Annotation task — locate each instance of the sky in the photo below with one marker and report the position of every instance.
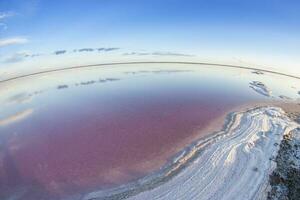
(41, 34)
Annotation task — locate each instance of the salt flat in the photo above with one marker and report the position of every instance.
(236, 165)
(233, 164)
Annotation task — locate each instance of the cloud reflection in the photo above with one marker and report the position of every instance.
(16, 117)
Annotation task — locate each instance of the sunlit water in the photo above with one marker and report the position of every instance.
(73, 132)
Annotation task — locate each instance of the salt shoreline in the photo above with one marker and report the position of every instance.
(284, 180)
(187, 157)
(143, 188)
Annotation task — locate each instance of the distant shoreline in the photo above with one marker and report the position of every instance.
(145, 62)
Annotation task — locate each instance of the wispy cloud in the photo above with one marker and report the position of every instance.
(22, 55)
(96, 49)
(109, 49)
(13, 41)
(4, 15)
(169, 54)
(17, 57)
(16, 117)
(156, 54)
(59, 52)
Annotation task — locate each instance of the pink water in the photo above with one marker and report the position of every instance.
(90, 138)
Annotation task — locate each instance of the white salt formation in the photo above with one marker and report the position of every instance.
(234, 163)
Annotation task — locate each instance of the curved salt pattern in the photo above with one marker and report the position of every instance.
(234, 163)
(236, 166)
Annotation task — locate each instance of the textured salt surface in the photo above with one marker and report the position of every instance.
(285, 179)
(233, 164)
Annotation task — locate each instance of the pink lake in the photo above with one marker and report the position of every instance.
(101, 130)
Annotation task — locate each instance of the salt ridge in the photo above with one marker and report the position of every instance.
(234, 163)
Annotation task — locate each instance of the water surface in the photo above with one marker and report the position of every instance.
(77, 131)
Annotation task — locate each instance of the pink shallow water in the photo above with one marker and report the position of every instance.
(79, 154)
(88, 141)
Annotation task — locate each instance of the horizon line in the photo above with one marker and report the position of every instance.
(146, 62)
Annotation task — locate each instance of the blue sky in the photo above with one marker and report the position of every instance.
(258, 32)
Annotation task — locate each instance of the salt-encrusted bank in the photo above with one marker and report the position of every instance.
(285, 179)
(236, 166)
(232, 164)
